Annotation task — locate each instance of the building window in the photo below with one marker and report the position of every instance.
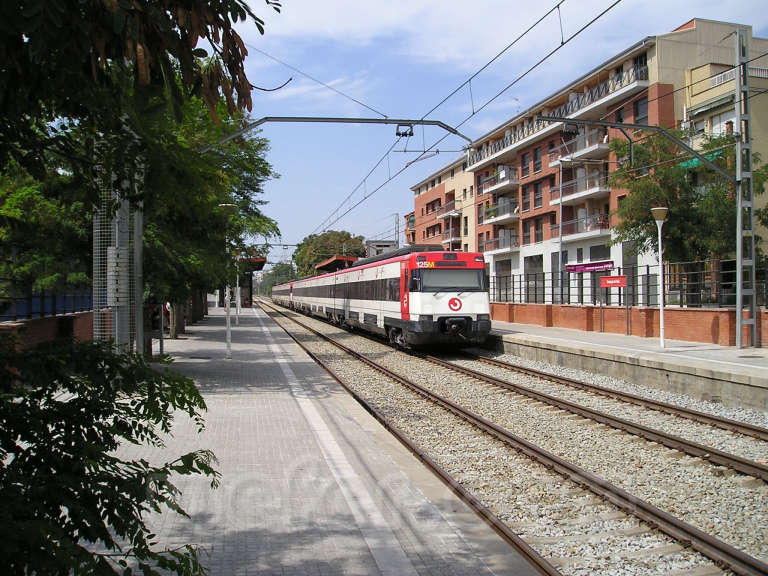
(538, 226)
(466, 225)
(480, 243)
(466, 247)
(620, 115)
(641, 61)
(537, 195)
(619, 72)
(537, 160)
(526, 232)
(471, 190)
(453, 170)
(641, 111)
(464, 167)
(579, 254)
(464, 194)
(524, 165)
(552, 219)
(439, 179)
(431, 183)
(526, 198)
(479, 213)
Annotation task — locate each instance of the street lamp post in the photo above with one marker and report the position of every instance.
(237, 294)
(228, 353)
(660, 215)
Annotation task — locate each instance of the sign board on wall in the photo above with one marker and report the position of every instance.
(590, 267)
(613, 282)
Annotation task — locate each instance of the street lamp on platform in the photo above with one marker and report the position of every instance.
(660, 215)
(228, 354)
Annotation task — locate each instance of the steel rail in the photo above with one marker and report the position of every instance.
(720, 552)
(719, 457)
(679, 411)
(523, 548)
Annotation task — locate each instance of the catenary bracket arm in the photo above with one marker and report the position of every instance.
(623, 125)
(316, 119)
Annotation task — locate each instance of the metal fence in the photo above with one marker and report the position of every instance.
(710, 283)
(43, 304)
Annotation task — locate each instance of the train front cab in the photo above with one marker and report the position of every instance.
(443, 300)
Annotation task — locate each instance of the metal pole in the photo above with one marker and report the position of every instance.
(237, 295)
(138, 266)
(228, 353)
(745, 238)
(659, 224)
(162, 326)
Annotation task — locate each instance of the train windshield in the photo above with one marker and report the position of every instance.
(452, 280)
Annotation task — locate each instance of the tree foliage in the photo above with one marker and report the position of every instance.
(279, 273)
(318, 247)
(701, 222)
(70, 504)
(70, 60)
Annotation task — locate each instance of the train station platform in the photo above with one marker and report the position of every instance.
(311, 483)
(733, 376)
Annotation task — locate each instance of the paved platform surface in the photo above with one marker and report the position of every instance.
(746, 368)
(311, 483)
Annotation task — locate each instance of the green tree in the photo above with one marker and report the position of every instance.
(71, 60)
(701, 222)
(70, 503)
(318, 247)
(279, 273)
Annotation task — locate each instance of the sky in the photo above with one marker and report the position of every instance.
(401, 58)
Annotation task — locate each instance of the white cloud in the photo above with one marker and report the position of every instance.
(467, 34)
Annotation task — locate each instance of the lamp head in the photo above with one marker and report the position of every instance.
(659, 213)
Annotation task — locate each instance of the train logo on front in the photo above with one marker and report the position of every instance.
(454, 304)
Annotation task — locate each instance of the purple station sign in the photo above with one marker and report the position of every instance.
(590, 267)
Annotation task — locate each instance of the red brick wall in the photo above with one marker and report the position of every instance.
(708, 325)
(38, 330)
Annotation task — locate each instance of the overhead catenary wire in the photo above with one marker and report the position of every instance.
(445, 99)
(486, 104)
(324, 84)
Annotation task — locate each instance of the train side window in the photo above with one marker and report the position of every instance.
(415, 285)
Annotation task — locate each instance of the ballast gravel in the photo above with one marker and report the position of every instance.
(533, 500)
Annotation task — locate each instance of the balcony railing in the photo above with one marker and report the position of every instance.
(583, 100)
(450, 235)
(501, 243)
(588, 224)
(729, 75)
(581, 142)
(445, 208)
(503, 207)
(579, 185)
(503, 175)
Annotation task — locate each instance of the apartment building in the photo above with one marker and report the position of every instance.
(542, 197)
(444, 209)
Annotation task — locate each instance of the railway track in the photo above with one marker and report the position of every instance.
(671, 409)
(578, 532)
(689, 447)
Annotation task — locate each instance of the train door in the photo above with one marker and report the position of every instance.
(405, 300)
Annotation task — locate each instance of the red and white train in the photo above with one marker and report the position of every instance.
(415, 298)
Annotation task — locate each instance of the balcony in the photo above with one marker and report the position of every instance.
(582, 228)
(574, 191)
(410, 224)
(597, 97)
(590, 146)
(450, 236)
(505, 210)
(504, 179)
(447, 210)
(500, 244)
